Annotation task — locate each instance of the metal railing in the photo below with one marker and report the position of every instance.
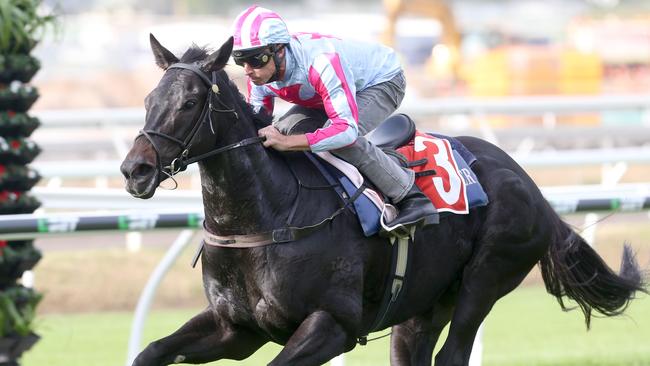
(565, 199)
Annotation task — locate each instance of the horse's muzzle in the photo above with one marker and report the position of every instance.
(140, 177)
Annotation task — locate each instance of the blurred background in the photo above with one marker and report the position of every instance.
(562, 85)
(449, 48)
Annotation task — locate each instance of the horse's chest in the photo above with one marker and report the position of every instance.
(271, 317)
(246, 302)
(226, 301)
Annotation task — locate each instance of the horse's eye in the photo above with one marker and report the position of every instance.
(189, 104)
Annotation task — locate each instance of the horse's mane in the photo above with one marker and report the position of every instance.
(196, 54)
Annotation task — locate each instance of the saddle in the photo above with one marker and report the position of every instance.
(399, 130)
(398, 137)
(396, 131)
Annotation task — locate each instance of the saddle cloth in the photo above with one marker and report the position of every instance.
(445, 177)
(443, 174)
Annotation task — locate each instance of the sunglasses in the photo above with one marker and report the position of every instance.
(255, 61)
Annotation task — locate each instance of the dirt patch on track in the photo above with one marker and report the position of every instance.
(81, 279)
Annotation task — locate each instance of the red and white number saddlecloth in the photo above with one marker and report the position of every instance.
(446, 188)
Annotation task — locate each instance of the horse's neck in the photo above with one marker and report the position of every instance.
(246, 191)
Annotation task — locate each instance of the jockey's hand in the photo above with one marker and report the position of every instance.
(282, 142)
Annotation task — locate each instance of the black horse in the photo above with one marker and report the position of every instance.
(318, 294)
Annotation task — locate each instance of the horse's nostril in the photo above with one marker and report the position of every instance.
(142, 170)
(131, 169)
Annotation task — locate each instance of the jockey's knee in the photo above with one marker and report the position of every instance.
(354, 152)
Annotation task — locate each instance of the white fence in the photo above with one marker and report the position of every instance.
(626, 198)
(527, 105)
(533, 105)
(111, 168)
(133, 118)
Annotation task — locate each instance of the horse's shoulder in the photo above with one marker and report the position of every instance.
(304, 168)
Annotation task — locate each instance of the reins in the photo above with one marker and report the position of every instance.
(282, 235)
(242, 143)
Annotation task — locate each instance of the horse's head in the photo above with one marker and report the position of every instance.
(179, 122)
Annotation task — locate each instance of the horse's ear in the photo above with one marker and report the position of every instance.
(163, 56)
(217, 60)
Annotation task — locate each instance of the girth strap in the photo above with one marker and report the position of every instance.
(393, 293)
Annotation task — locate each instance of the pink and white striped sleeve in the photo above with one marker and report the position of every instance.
(260, 97)
(329, 79)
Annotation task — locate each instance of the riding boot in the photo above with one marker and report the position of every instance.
(415, 209)
(393, 181)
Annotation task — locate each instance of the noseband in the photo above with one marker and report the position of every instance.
(182, 160)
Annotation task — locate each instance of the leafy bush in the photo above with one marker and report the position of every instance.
(17, 310)
(22, 25)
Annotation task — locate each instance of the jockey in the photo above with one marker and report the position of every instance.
(348, 87)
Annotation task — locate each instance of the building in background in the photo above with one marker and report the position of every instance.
(498, 48)
(450, 48)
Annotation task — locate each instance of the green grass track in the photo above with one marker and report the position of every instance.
(526, 328)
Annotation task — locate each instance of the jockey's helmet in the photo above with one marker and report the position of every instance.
(257, 27)
(258, 34)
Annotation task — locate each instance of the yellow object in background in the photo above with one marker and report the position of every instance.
(487, 75)
(533, 70)
(443, 61)
(580, 73)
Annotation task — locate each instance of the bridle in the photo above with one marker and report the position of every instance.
(182, 160)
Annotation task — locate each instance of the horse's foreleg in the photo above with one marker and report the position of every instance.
(202, 339)
(317, 340)
(412, 342)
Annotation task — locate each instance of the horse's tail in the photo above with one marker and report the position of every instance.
(573, 269)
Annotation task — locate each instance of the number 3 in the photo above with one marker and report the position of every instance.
(443, 161)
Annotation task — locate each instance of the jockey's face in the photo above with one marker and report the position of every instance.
(261, 75)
